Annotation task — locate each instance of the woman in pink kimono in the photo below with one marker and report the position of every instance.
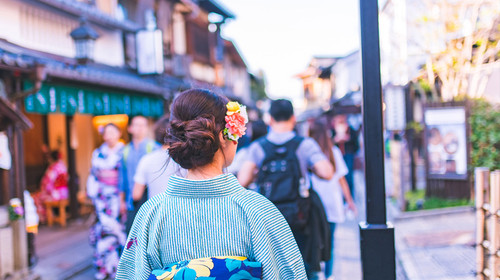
(54, 184)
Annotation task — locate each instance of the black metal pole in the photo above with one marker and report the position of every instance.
(377, 236)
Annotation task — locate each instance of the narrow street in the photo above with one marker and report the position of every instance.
(63, 252)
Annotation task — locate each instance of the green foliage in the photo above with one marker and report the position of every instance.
(414, 197)
(485, 134)
(258, 87)
(424, 84)
(416, 126)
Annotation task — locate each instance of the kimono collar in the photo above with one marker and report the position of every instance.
(222, 185)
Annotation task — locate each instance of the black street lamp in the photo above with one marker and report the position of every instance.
(84, 37)
(377, 236)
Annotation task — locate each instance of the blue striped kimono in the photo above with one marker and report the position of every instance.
(210, 218)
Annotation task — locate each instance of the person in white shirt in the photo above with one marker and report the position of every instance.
(155, 168)
(334, 190)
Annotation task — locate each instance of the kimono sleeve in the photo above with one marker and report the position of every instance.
(135, 261)
(273, 243)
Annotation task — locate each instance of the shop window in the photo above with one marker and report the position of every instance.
(46, 31)
(200, 43)
(130, 50)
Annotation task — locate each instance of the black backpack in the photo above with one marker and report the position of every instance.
(279, 180)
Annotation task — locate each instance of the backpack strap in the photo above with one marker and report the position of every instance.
(294, 143)
(149, 148)
(126, 152)
(269, 147)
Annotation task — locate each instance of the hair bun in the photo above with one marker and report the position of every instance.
(193, 143)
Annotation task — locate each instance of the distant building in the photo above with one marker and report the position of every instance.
(329, 79)
(318, 84)
(236, 79)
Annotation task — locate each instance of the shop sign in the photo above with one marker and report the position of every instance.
(52, 98)
(395, 115)
(446, 141)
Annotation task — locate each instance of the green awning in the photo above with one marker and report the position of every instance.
(54, 98)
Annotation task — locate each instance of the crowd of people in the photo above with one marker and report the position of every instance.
(209, 198)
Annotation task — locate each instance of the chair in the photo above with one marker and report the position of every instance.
(61, 218)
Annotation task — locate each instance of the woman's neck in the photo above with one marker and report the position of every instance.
(208, 171)
(205, 172)
(112, 145)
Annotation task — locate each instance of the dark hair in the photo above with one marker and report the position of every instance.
(131, 118)
(55, 155)
(197, 118)
(160, 129)
(318, 130)
(259, 129)
(281, 110)
(110, 125)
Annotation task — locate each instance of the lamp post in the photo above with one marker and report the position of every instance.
(377, 236)
(84, 36)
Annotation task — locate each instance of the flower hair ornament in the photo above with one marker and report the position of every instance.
(236, 118)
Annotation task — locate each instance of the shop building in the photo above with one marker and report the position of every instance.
(13, 238)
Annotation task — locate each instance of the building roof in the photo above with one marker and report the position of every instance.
(91, 12)
(9, 114)
(212, 6)
(232, 51)
(348, 104)
(60, 67)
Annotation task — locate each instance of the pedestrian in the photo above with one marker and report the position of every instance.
(107, 235)
(155, 169)
(279, 163)
(54, 184)
(207, 225)
(346, 138)
(334, 190)
(139, 146)
(32, 220)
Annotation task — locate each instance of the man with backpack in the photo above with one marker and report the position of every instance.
(139, 146)
(279, 164)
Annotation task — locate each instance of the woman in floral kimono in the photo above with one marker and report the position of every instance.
(107, 235)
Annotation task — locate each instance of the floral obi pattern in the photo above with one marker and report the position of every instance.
(216, 268)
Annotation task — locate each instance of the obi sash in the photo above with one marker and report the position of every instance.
(215, 268)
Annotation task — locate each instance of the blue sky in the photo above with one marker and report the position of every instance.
(280, 37)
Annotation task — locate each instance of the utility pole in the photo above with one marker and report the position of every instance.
(377, 236)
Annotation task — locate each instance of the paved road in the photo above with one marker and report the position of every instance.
(62, 251)
(437, 246)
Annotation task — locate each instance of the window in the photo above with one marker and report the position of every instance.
(200, 43)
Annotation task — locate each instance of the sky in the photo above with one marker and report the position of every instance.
(281, 36)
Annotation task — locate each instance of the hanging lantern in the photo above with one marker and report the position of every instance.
(84, 37)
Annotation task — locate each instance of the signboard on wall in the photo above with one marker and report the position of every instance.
(395, 114)
(149, 52)
(52, 98)
(446, 142)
